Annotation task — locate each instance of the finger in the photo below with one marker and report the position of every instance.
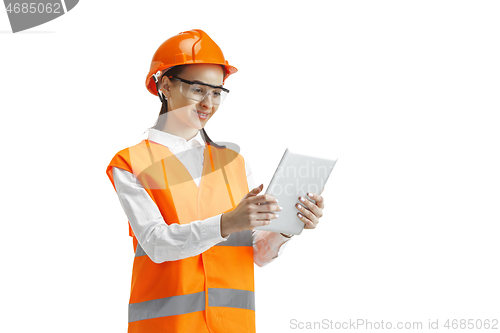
(263, 198)
(312, 206)
(259, 223)
(320, 202)
(308, 223)
(269, 208)
(256, 190)
(253, 192)
(267, 216)
(307, 213)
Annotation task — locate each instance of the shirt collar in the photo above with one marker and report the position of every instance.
(172, 141)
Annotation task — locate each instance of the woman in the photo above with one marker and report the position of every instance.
(189, 206)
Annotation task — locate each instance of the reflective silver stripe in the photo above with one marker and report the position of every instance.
(234, 298)
(168, 306)
(139, 251)
(239, 238)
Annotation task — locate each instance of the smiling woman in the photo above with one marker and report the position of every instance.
(191, 204)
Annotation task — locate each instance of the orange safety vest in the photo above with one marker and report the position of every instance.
(212, 292)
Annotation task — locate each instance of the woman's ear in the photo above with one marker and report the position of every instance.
(165, 86)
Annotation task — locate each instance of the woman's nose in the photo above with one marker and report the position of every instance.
(207, 101)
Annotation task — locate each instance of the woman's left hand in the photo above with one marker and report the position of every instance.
(311, 217)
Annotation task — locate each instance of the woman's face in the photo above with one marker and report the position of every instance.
(185, 110)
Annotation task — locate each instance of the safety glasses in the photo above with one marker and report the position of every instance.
(198, 91)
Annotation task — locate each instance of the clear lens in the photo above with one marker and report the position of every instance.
(198, 92)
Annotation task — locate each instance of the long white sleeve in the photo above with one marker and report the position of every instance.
(160, 241)
(163, 242)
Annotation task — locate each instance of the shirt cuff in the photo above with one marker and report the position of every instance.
(212, 229)
(282, 246)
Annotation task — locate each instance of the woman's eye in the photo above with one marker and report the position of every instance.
(216, 93)
(198, 90)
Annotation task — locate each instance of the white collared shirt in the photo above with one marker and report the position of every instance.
(163, 242)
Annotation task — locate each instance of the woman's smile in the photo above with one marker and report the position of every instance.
(202, 115)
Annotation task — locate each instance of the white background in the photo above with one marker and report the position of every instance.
(405, 93)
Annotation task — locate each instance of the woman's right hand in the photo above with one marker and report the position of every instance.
(250, 212)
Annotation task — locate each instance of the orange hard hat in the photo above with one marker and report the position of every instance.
(188, 47)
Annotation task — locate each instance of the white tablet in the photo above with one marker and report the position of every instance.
(296, 175)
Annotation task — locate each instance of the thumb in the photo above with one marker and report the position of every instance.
(260, 187)
(254, 192)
